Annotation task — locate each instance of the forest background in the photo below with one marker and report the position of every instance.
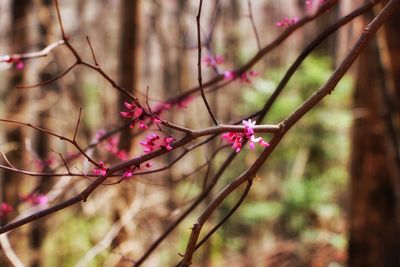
(327, 196)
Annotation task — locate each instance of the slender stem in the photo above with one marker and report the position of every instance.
(253, 24)
(326, 89)
(200, 79)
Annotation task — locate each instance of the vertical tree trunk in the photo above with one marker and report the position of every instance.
(128, 79)
(128, 58)
(15, 98)
(374, 225)
(15, 101)
(390, 49)
(38, 228)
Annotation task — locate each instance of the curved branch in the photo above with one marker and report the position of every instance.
(326, 89)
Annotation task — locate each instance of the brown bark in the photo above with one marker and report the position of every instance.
(374, 226)
(128, 57)
(128, 79)
(38, 228)
(15, 102)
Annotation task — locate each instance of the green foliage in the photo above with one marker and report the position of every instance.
(258, 212)
(310, 163)
(78, 236)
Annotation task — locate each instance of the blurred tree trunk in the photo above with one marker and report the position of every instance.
(128, 79)
(231, 34)
(374, 225)
(16, 98)
(391, 55)
(15, 101)
(42, 147)
(173, 72)
(128, 57)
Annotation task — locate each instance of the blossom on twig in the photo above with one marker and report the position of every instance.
(153, 142)
(237, 138)
(102, 171)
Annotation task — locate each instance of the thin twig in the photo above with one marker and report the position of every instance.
(326, 89)
(92, 51)
(61, 137)
(227, 216)
(64, 162)
(77, 124)
(21, 86)
(60, 22)
(42, 53)
(253, 24)
(199, 76)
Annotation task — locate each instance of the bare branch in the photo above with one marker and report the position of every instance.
(200, 79)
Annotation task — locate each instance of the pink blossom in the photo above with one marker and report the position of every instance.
(142, 125)
(99, 135)
(5, 209)
(167, 142)
(213, 61)
(122, 155)
(185, 102)
(258, 140)
(18, 62)
(248, 127)
(133, 111)
(42, 164)
(313, 5)
(229, 75)
(287, 21)
(128, 172)
(20, 65)
(149, 164)
(263, 143)
(102, 171)
(36, 199)
(245, 77)
(237, 138)
(156, 120)
(318, 2)
(112, 144)
(153, 142)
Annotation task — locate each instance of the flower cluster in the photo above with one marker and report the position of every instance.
(185, 102)
(318, 2)
(244, 77)
(18, 62)
(312, 5)
(181, 104)
(111, 145)
(229, 75)
(102, 171)
(129, 171)
(5, 209)
(133, 112)
(154, 142)
(213, 61)
(287, 22)
(41, 164)
(237, 138)
(35, 199)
